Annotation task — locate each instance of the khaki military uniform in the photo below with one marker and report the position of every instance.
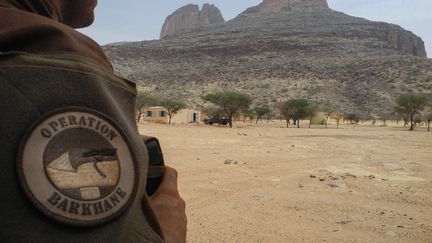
(36, 88)
(73, 166)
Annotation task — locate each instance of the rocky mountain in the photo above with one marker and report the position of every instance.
(284, 49)
(189, 17)
(271, 6)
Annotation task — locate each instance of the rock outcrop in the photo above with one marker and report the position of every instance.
(275, 6)
(317, 53)
(189, 17)
(406, 42)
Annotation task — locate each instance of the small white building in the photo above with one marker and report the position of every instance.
(159, 114)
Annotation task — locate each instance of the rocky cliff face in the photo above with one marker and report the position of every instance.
(189, 17)
(210, 15)
(316, 53)
(406, 42)
(274, 6)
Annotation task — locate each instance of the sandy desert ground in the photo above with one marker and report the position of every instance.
(265, 183)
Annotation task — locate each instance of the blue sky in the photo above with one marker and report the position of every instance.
(136, 20)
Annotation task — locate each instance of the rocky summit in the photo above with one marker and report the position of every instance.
(284, 49)
(189, 17)
(272, 6)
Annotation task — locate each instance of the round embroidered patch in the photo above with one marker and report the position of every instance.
(76, 167)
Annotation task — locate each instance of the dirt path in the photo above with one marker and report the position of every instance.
(265, 183)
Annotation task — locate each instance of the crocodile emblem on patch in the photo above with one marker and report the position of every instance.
(76, 167)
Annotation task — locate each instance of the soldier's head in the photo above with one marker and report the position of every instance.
(74, 13)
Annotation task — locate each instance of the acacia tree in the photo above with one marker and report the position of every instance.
(302, 109)
(144, 100)
(212, 111)
(248, 113)
(287, 111)
(352, 118)
(410, 105)
(231, 102)
(261, 112)
(173, 107)
(311, 111)
(418, 122)
(403, 113)
(294, 109)
(269, 116)
(251, 114)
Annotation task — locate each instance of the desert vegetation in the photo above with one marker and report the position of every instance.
(412, 109)
(230, 102)
(409, 107)
(261, 112)
(172, 106)
(145, 100)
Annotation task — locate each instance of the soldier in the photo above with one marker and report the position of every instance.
(73, 167)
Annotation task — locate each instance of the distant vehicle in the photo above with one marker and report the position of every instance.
(216, 120)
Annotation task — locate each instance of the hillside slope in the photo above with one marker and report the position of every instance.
(279, 50)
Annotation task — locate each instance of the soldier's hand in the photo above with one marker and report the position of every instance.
(170, 208)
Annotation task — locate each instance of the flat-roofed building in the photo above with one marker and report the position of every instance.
(159, 114)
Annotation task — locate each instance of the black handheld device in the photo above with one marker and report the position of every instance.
(156, 164)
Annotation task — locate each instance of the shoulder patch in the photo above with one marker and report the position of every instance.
(76, 166)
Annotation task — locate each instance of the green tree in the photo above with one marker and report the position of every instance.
(311, 111)
(261, 112)
(172, 106)
(269, 116)
(410, 105)
(144, 100)
(231, 102)
(287, 111)
(248, 113)
(418, 121)
(212, 111)
(302, 110)
(295, 109)
(403, 113)
(352, 118)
